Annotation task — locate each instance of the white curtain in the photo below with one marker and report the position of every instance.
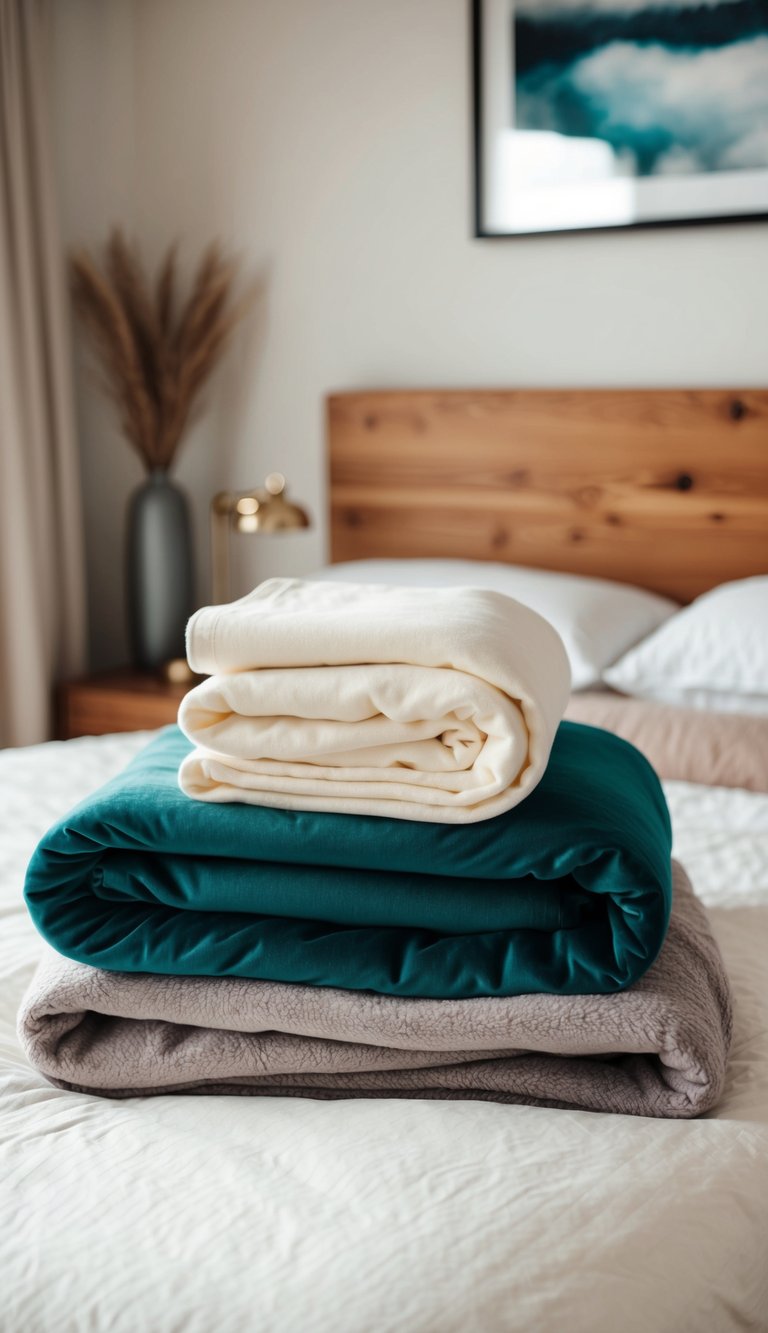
(42, 630)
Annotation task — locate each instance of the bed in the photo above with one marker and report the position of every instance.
(233, 1213)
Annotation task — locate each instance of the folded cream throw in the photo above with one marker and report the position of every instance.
(657, 1049)
(435, 704)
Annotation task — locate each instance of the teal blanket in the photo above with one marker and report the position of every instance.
(569, 892)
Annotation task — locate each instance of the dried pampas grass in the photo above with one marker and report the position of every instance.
(155, 351)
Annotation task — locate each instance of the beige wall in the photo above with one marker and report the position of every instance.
(328, 141)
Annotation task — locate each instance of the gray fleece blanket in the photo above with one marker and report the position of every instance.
(656, 1049)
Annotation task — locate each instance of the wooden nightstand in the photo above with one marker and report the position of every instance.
(123, 700)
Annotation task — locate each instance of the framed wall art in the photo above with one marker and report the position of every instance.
(618, 113)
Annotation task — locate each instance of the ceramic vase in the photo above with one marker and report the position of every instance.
(160, 575)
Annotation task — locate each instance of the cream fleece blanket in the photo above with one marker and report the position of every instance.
(435, 704)
(657, 1049)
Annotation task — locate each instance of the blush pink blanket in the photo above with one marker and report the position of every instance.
(657, 1049)
(683, 744)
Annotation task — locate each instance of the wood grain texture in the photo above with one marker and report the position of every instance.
(667, 489)
(122, 700)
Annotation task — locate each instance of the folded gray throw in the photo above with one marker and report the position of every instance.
(657, 1049)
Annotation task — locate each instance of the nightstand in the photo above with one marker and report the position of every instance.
(123, 700)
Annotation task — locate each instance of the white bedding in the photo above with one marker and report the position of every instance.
(224, 1215)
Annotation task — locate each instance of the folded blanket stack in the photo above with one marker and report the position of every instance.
(361, 699)
(399, 877)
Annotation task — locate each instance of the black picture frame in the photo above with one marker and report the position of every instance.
(485, 229)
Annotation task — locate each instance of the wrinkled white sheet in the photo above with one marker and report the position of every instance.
(225, 1215)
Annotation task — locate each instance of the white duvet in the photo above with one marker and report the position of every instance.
(229, 1215)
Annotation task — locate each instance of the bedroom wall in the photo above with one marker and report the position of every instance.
(328, 141)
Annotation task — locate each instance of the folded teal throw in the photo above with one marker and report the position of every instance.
(569, 892)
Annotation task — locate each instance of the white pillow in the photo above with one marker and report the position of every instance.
(596, 619)
(712, 654)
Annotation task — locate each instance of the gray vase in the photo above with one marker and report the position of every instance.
(160, 571)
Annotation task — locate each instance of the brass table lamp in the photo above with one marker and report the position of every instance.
(262, 511)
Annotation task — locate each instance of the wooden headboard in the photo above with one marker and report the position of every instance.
(667, 489)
